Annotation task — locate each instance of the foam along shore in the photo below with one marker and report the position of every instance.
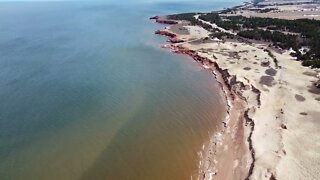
(272, 130)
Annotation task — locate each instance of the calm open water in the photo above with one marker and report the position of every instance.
(87, 94)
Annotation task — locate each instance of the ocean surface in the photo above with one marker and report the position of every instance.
(87, 94)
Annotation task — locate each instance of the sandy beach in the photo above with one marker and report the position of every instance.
(272, 128)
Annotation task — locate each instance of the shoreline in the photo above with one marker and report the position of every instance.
(256, 125)
(214, 152)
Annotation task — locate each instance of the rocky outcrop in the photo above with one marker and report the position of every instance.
(176, 40)
(154, 18)
(193, 54)
(172, 37)
(163, 20)
(165, 33)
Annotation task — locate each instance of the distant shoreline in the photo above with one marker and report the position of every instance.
(268, 93)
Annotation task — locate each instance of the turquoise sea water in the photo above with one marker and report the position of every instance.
(86, 93)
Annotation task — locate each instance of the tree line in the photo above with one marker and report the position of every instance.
(282, 33)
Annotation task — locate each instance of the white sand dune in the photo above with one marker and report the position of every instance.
(274, 127)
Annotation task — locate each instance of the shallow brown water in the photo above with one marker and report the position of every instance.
(81, 99)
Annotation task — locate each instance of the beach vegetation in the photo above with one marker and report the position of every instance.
(282, 33)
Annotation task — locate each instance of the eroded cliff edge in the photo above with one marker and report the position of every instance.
(273, 106)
